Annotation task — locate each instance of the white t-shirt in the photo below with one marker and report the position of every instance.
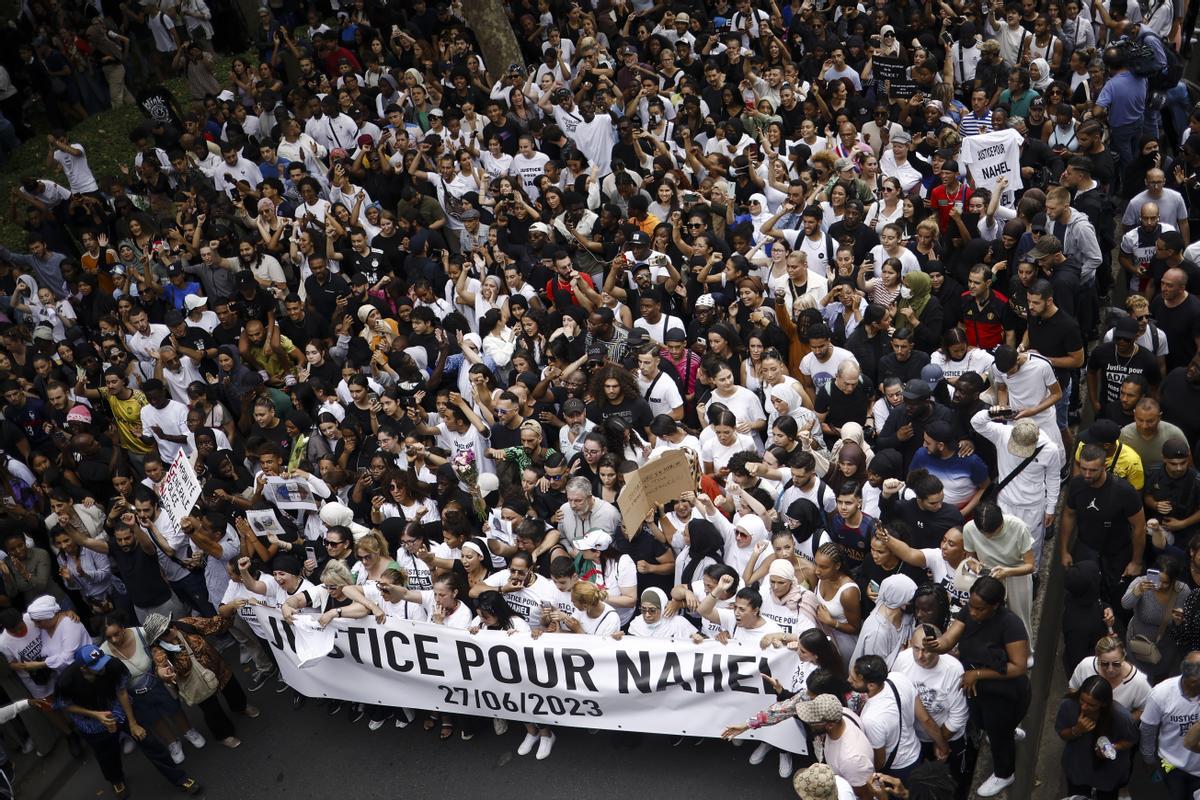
(460, 618)
(1132, 693)
(236, 591)
(400, 610)
(26, 648)
(79, 174)
(529, 170)
(172, 420)
(747, 636)
(822, 373)
(888, 727)
(620, 573)
(662, 393)
(1173, 713)
(608, 623)
(940, 690)
(527, 602)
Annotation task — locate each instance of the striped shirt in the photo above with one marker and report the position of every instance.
(972, 124)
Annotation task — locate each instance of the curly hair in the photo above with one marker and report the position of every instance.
(629, 387)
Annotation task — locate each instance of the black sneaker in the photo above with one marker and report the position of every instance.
(335, 708)
(281, 686)
(356, 712)
(258, 680)
(297, 701)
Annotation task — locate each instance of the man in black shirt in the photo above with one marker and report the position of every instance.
(904, 362)
(844, 399)
(868, 343)
(1176, 311)
(1107, 511)
(325, 290)
(299, 325)
(1180, 399)
(1112, 362)
(1055, 335)
(94, 694)
(905, 428)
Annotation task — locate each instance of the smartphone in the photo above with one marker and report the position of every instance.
(311, 553)
(1152, 575)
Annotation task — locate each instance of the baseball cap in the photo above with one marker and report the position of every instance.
(675, 335)
(1040, 223)
(573, 405)
(1047, 245)
(436, 112)
(1126, 328)
(1022, 440)
(540, 227)
(950, 166)
(1005, 358)
(92, 657)
(916, 389)
(594, 539)
(639, 239)
(365, 140)
(1102, 431)
(681, 17)
(932, 374)
(1175, 448)
(886, 29)
(941, 431)
(173, 318)
(822, 708)
(194, 301)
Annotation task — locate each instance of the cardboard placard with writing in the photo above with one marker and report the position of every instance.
(665, 478)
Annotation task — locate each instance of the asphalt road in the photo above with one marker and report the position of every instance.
(307, 753)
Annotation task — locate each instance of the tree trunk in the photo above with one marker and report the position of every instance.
(492, 28)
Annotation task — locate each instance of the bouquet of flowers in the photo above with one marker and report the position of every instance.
(467, 471)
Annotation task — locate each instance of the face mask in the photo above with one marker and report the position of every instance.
(170, 647)
(906, 292)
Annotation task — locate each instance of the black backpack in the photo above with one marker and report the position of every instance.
(1143, 61)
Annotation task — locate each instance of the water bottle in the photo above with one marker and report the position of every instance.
(1106, 747)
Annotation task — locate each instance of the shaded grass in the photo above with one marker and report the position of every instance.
(105, 137)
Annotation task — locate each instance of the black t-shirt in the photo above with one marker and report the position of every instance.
(984, 642)
(504, 437)
(634, 411)
(1102, 520)
(1055, 337)
(1113, 369)
(841, 407)
(142, 576)
(1181, 326)
(309, 326)
(1180, 402)
(890, 366)
(644, 547)
(277, 435)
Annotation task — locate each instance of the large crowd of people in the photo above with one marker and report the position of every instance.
(910, 284)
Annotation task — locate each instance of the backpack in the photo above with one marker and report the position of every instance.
(1143, 61)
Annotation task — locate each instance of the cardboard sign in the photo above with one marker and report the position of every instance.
(665, 478)
(180, 488)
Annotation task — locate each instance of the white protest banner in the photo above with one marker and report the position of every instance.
(636, 684)
(993, 155)
(180, 489)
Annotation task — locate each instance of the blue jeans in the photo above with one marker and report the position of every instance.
(1124, 139)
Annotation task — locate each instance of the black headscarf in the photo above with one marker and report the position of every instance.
(706, 542)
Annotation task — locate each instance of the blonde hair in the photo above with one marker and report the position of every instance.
(929, 225)
(1109, 643)
(336, 573)
(374, 543)
(397, 575)
(1136, 301)
(587, 595)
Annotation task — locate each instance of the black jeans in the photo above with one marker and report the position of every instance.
(998, 708)
(961, 763)
(1180, 785)
(194, 593)
(215, 718)
(107, 747)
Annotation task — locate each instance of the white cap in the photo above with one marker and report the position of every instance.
(194, 301)
(594, 539)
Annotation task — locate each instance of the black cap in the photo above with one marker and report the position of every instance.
(1005, 358)
(173, 317)
(941, 431)
(1126, 328)
(639, 238)
(1175, 448)
(675, 335)
(916, 389)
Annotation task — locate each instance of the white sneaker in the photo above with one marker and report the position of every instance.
(127, 744)
(232, 742)
(527, 744)
(760, 753)
(1018, 734)
(545, 745)
(176, 751)
(194, 738)
(785, 765)
(994, 786)
(376, 724)
(500, 726)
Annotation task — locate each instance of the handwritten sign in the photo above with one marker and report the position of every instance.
(665, 478)
(180, 489)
